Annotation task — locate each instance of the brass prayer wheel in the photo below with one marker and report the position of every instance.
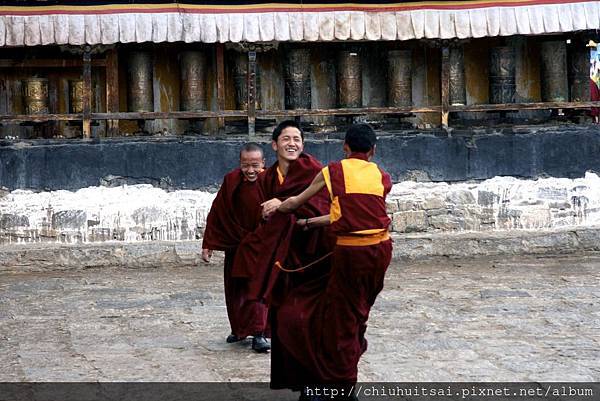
(35, 93)
(400, 78)
(76, 96)
(297, 79)
(579, 73)
(458, 93)
(240, 76)
(193, 81)
(140, 94)
(349, 79)
(502, 75)
(555, 85)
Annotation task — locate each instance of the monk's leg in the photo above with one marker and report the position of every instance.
(356, 280)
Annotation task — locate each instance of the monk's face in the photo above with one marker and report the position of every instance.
(251, 164)
(289, 144)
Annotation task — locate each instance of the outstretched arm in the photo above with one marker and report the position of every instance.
(294, 202)
(314, 222)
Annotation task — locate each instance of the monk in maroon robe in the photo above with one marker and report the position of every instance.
(323, 329)
(279, 245)
(235, 213)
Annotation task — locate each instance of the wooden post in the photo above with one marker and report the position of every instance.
(251, 85)
(87, 93)
(445, 86)
(220, 82)
(112, 90)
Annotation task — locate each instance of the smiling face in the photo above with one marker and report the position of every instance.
(289, 144)
(251, 164)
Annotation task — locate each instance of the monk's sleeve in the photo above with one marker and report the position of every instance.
(222, 231)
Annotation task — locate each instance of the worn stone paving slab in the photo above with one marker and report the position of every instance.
(528, 318)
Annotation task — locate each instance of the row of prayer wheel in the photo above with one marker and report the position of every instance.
(36, 95)
(559, 77)
(348, 78)
(140, 89)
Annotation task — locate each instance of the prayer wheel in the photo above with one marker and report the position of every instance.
(297, 79)
(35, 92)
(502, 75)
(240, 75)
(458, 93)
(555, 85)
(400, 78)
(193, 82)
(579, 73)
(140, 93)
(349, 79)
(76, 96)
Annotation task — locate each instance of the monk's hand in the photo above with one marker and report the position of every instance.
(206, 254)
(288, 205)
(303, 223)
(269, 207)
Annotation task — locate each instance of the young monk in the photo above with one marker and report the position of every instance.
(325, 332)
(235, 212)
(280, 239)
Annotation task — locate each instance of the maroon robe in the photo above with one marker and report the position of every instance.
(235, 213)
(325, 324)
(281, 240)
(594, 97)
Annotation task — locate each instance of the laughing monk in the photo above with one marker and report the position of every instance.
(325, 331)
(236, 212)
(279, 238)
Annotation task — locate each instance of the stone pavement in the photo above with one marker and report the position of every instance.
(527, 318)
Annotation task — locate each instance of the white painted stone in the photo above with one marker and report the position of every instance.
(130, 213)
(142, 212)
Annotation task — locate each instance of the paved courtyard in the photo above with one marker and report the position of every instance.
(493, 319)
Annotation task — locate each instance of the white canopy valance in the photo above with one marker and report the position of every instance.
(32, 26)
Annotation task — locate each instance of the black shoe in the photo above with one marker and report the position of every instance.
(260, 344)
(232, 338)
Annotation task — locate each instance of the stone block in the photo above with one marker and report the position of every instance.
(434, 203)
(69, 220)
(487, 216)
(437, 212)
(446, 222)
(549, 193)
(391, 205)
(460, 197)
(406, 205)
(559, 205)
(487, 198)
(10, 221)
(409, 221)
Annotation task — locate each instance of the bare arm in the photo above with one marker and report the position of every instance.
(314, 222)
(294, 202)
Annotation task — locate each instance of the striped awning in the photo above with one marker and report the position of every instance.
(32, 23)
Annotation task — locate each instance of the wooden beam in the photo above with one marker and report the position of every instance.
(87, 93)
(112, 90)
(157, 115)
(348, 111)
(40, 118)
(525, 106)
(48, 63)
(220, 56)
(445, 86)
(251, 85)
(293, 113)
